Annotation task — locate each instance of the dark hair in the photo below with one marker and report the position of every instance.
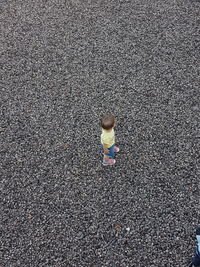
(108, 122)
(198, 230)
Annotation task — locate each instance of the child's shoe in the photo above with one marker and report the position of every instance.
(116, 149)
(109, 162)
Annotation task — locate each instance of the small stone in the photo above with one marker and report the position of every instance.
(118, 227)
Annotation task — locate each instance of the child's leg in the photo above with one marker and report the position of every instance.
(111, 154)
(105, 157)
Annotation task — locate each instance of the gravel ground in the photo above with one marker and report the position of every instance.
(63, 65)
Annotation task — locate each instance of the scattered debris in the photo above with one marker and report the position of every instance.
(65, 146)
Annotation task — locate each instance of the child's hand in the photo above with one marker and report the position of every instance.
(106, 151)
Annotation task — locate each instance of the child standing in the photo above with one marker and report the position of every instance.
(108, 139)
(196, 259)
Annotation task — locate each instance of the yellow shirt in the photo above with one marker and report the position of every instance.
(108, 137)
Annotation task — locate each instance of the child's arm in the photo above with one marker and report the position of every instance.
(105, 149)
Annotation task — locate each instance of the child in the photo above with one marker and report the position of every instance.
(108, 139)
(196, 259)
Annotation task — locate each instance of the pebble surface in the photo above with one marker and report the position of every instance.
(63, 65)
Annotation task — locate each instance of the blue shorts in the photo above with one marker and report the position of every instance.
(111, 153)
(196, 259)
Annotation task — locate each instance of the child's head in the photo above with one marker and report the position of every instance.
(108, 122)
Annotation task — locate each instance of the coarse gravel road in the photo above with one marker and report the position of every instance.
(65, 63)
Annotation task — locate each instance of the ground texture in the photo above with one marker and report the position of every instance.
(63, 65)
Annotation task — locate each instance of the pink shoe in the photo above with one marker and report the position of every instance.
(116, 149)
(109, 162)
